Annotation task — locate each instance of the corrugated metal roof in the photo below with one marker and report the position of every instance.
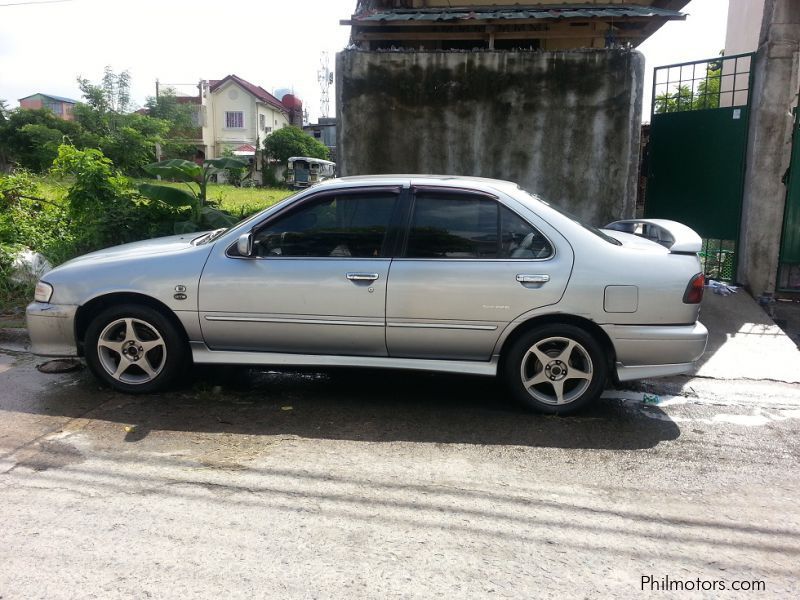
(52, 97)
(549, 13)
(61, 99)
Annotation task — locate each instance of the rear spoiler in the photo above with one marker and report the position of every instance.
(676, 237)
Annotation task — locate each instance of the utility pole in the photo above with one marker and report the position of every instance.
(156, 88)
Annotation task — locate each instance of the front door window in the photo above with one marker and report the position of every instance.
(336, 226)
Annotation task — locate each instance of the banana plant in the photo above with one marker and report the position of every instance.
(196, 178)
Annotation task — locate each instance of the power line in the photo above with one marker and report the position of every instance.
(34, 2)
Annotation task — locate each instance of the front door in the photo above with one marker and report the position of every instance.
(470, 266)
(315, 285)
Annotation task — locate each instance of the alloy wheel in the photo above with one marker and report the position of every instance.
(556, 370)
(132, 351)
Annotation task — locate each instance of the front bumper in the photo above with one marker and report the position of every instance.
(51, 328)
(656, 350)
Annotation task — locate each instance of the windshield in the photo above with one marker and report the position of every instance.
(218, 233)
(577, 220)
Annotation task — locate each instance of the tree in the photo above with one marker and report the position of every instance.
(182, 123)
(30, 138)
(181, 117)
(42, 144)
(128, 139)
(679, 100)
(196, 179)
(292, 141)
(113, 94)
(683, 98)
(708, 89)
(3, 144)
(100, 201)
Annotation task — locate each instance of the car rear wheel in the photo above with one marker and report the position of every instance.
(134, 349)
(555, 369)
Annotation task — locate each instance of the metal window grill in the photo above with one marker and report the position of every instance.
(703, 84)
(718, 258)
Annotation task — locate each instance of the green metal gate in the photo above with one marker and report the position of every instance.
(698, 141)
(789, 270)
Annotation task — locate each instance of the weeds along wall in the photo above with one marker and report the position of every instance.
(564, 125)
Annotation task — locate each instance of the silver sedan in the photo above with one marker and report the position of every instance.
(450, 274)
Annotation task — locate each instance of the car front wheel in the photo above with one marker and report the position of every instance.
(555, 369)
(134, 349)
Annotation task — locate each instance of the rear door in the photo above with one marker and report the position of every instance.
(469, 265)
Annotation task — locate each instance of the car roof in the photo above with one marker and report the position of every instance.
(456, 181)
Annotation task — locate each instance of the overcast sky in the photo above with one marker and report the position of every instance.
(273, 44)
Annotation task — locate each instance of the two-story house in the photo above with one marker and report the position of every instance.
(237, 115)
(61, 107)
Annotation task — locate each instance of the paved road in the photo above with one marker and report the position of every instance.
(374, 484)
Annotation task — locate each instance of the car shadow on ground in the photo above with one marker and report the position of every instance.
(360, 405)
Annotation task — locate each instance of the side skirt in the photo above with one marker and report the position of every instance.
(202, 355)
(645, 371)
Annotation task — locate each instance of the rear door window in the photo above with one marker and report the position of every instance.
(464, 226)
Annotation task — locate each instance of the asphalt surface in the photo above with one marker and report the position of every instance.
(372, 484)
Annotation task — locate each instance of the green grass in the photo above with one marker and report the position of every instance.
(230, 198)
(237, 200)
(52, 188)
(240, 202)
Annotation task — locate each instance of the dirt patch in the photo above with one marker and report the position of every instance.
(52, 455)
(14, 339)
(6, 362)
(62, 365)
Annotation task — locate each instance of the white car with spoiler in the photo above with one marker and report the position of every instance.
(436, 273)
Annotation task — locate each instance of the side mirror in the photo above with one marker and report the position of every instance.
(245, 244)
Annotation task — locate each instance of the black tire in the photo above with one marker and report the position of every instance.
(523, 363)
(166, 360)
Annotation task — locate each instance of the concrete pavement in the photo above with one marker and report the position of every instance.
(366, 484)
(745, 343)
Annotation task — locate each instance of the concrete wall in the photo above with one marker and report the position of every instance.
(562, 124)
(770, 143)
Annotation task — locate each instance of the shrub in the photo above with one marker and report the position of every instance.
(293, 141)
(27, 221)
(103, 207)
(203, 212)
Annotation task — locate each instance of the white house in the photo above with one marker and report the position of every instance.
(237, 115)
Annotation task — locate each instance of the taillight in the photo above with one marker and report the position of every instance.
(694, 291)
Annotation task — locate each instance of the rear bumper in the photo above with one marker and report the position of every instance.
(51, 328)
(656, 350)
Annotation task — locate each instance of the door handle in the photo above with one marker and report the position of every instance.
(362, 276)
(533, 278)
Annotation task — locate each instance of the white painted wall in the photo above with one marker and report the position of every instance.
(232, 97)
(273, 120)
(744, 26)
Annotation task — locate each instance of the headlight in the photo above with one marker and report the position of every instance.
(44, 291)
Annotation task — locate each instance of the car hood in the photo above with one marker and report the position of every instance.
(164, 245)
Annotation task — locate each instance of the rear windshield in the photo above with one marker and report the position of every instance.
(572, 217)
